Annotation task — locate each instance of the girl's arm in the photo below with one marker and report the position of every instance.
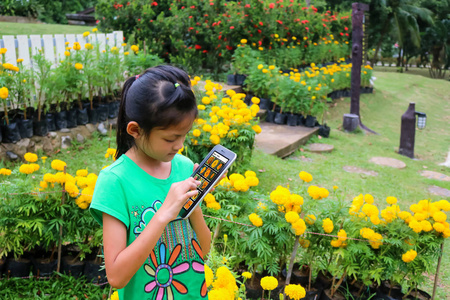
(123, 262)
(201, 229)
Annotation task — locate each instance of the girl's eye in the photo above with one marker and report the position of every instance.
(169, 141)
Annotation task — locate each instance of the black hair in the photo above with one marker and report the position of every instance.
(159, 97)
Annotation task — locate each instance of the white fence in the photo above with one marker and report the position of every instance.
(53, 46)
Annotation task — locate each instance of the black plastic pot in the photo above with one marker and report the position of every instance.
(82, 116)
(270, 116)
(324, 130)
(264, 103)
(323, 281)
(44, 267)
(61, 120)
(71, 267)
(102, 112)
(1, 136)
(313, 295)
(71, 117)
(419, 295)
(394, 291)
(2, 262)
(310, 121)
(231, 79)
(240, 79)
(292, 120)
(10, 132)
(112, 109)
(50, 118)
(40, 127)
(301, 120)
(25, 128)
(18, 268)
(280, 118)
(93, 273)
(93, 116)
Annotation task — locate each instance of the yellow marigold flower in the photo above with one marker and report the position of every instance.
(26, 169)
(375, 220)
(260, 66)
(391, 200)
(269, 283)
(4, 171)
(342, 235)
(196, 132)
(86, 33)
(252, 181)
(35, 167)
(3, 50)
(256, 128)
(260, 48)
(201, 107)
(415, 225)
(209, 275)
(440, 216)
(94, 30)
(426, 226)
(446, 233)
(443, 204)
(88, 46)
(206, 100)
(213, 205)
(241, 185)
(280, 195)
(30, 157)
(295, 291)
(49, 178)
(255, 219)
(215, 139)
(335, 187)
(249, 173)
(115, 295)
(19, 60)
(409, 256)
(368, 198)
(336, 243)
(328, 225)
(271, 67)
(134, 48)
(66, 53)
(76, 46)
(439, 227)
(265, 71)
(72, 189)
(310, 219)
(43, 184)
(82, 172)
(126, 53)
(58, 165)
(305, 176)
(305, 243)
(78, 66)
(255, 100)
(247, 275)
(299, 227)
(291, 217)
(243, 41)
(4, 92)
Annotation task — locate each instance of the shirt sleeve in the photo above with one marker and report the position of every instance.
(109, 198)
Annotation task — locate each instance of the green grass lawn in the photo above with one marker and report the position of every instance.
(9, 28)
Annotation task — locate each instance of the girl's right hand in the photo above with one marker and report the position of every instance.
(178, 194)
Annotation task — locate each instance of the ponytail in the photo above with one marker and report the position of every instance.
(124, 140)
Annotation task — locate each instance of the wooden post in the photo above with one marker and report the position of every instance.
(436, 277)
(63, 197)
(408, 131)
(357, 52)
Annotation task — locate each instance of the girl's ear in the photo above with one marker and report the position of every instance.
(133, 129)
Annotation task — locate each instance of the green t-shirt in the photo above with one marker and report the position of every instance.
(175, 268)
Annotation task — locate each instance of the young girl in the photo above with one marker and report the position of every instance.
(150, 253)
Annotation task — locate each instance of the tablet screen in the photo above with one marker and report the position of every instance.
(206, 174)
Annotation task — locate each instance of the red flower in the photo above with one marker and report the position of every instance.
(205, 51)
(304, 8)
(191, 28)
(220, 37)
(279, 22)
(154, 3)
(346, 28)
(182, 7)
(231, 27)
(193, 6)
(341, 33)
(198, 47)
(259, 43)
(139, 20)
(307, 28)
(229, 48)
(261, 23)
(190, 17)
(259, 31)
(247, 6)
(220, 54)
(272, 5)
(346, 34)
(211, 3)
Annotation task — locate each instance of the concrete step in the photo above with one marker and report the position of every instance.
(282, 140)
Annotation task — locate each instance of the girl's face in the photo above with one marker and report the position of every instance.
(163, 144)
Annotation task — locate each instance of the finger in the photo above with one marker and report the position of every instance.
(196, 166)
(190, 194)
